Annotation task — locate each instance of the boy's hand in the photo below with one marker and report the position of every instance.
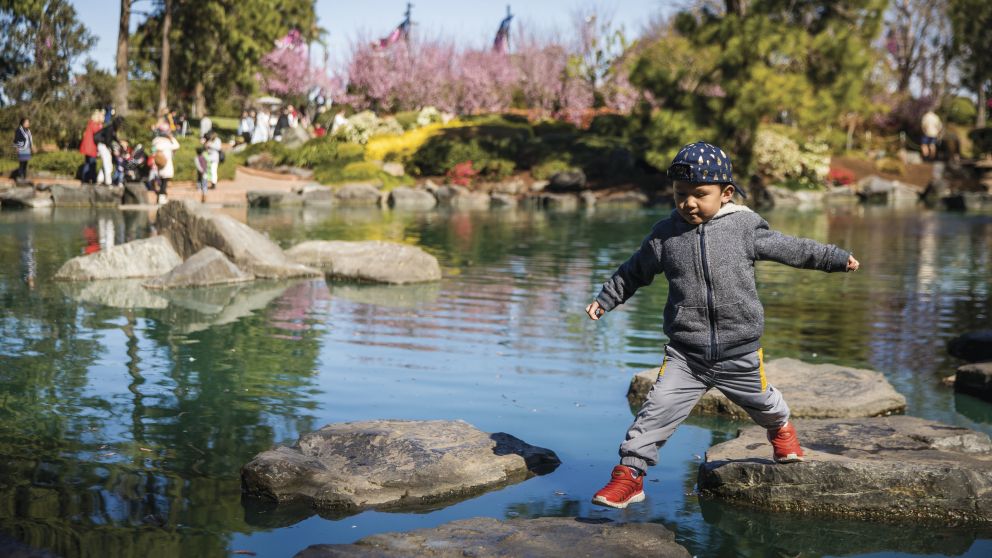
(594, 310)
(852, 264)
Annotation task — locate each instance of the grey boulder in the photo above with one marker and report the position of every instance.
(149, 257)
(484, 537)
(404, 197)
(393, 465)
(975, 346)
(192, 227)
(358, 194)
(882, 468)
(373, 260)
(811, 390)
(209, 266)
(460, 197)
(273, 198)
(975, 379)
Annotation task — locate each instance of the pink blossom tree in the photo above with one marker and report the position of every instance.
(287, 70)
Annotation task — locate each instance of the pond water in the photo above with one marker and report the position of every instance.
(125, 416)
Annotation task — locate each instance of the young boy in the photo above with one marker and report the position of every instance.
(713, 318)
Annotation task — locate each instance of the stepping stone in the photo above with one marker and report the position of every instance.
(881, 468)
(149, 257)
(373, 260)
(345, 468)
(483, 537)
(209, 266)
(811, 390)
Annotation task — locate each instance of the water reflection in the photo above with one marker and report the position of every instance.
(124, 420)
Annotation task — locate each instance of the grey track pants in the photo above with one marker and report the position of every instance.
(681, 382)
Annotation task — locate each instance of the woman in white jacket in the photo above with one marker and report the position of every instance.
(164, 145)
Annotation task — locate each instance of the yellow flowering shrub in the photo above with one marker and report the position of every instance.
(402, 147)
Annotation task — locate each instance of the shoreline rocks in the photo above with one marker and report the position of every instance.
(975, 379)
(374, 260)
(883, 468)
(811, 390)
(398, 465)
(149, 257)
(484, 537)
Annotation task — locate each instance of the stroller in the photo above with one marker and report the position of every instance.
(134, 163)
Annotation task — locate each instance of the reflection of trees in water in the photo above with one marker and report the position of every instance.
(93, 466)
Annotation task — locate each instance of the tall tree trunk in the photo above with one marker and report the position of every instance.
(120, 90)
(980, 120)
(163, 79)
(199, 100)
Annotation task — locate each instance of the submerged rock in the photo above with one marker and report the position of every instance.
(148, 257)
(394, 465)
(373, 260)
(883, 468)
(975, 346)
(192, 227)
(811, 390)
(484, 537)
(209, 266)
(114, 293)
(975, 379)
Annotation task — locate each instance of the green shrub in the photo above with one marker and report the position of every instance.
(408, 119)
(313, 153)
(360, 170)
(328, 174)
(498, 169)
(350, 152)
(137, 128)
(960, 110)
(547, 169)
(478, 144)
(62, 163)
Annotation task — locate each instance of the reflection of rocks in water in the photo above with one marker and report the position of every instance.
(11, 548)
(116, 293)
(792, 535)
(192, 310)
(395, 296)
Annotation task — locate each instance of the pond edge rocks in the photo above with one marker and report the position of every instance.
(882, 468)
(398, 465)
(811, 391)
(484, 537)
(149, 257)
(372, 261)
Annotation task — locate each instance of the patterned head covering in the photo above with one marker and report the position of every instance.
(703, 163)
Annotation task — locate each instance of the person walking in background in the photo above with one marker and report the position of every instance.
(260, 133)
(202, 168)
(24, 144)
(213, 146)
(246, 125)
(281, 124)
(164, 145)
(88, 146)
(932, 128)
(205, 126)
(105, 139)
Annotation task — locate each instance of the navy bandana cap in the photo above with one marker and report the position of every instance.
(703, 163)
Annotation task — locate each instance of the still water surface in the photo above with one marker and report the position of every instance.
(125, 416)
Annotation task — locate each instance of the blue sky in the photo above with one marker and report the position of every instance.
(471, 23)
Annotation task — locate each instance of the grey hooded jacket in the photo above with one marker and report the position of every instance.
(713, 309)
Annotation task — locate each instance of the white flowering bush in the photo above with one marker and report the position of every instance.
(428, 115)
(815, 158)
(363, 125)
(781, 159)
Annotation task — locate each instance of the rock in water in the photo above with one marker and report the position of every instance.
(207, 267)
(373, 260)
(975, 346)
(149, 257)
(883, 468)
(975, 379)
(392, 464)
(192, 228)
(404, 197)
(484, 537)
(811, 390)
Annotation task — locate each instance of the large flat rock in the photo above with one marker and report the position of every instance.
(811, 390)
(484, 537)
(975, 379)
(392, 465)
(881, 468)
(192, 228)
(149, 257)
(374, 260)
(209, 266)
(404, 197)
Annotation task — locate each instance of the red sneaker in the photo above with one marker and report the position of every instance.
(786, 444)
(622, 489)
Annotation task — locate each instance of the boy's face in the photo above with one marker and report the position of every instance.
(698, 203)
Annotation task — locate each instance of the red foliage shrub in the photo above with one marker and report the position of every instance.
(839, 176)
(462, 173)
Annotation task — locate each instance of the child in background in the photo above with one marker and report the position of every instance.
(706, 249)
(202, 168)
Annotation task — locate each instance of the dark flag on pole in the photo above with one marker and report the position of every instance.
(501, 43)
(401, 33)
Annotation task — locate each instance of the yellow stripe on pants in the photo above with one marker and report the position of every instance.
(661, 371)
(761, 369)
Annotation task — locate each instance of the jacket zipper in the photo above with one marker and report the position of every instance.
(711, 352)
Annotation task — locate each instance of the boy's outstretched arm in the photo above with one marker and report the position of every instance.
(803, 253)
(638, 271)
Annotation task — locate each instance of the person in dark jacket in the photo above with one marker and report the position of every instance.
(713, 318)
(24, 144)
(105, 139)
